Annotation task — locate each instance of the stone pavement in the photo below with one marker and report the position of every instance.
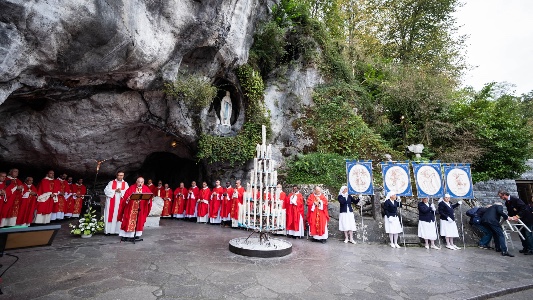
(184, 260)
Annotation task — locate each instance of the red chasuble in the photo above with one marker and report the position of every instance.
(44, 205)
(158, 191)
(237, 199)
(319, 217)
(61, 203)
(12, 200)
(294, 212)
(215, 201)
(167, 196)
(78, 190)
(192, 196)
(226, 202)
(180, 201)
(129, 209)
(203, 203)
(28, 206)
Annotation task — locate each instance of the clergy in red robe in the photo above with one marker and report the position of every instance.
(78, 190)
(29, 203)
(69, 207)
(225, 210)
(237, 198)
(295, 213)
(158, 190)
(58, 210)
(167, 196)
(13, 199)
(192, 198)
(131, 213)
(203, 204)
(180, 202)
(318, 217)
(3, 199)
(47, 195)
(151, 186)
(114, 191)
(215, 203)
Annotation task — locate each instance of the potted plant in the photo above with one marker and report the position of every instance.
(88, 224)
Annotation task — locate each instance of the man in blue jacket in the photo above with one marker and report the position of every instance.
(491, 219)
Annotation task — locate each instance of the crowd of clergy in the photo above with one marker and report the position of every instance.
(22, 204)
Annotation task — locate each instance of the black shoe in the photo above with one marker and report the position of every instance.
(323, 241)
(123, 239)
(507, 254)
(523, 251)
(530, 252)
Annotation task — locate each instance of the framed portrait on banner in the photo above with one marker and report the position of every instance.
(397, 178)
(359, 177)
(428, 179)
(458, 179)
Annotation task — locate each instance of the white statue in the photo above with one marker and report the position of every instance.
(225, 110)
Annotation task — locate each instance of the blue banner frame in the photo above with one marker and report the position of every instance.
(356, 171)
(397, 177)
(428, 179)
(458, 178)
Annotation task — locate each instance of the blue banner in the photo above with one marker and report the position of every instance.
(458, 180)
(428, 178)
(397, 178)
(359, 177)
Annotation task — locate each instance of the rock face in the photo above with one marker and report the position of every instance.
(81, 80)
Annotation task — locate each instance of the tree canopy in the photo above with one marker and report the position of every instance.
(393, 69)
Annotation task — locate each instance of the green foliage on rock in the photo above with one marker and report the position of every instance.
(336, 128)
(317, 168)
(197, 93)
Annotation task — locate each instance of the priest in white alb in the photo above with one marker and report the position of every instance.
(114, 191)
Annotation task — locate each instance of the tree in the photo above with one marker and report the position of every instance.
(501, 129)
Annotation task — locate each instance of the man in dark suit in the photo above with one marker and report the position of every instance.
(491, 219)
(516, 207)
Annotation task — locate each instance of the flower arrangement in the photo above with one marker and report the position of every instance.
(88, 224)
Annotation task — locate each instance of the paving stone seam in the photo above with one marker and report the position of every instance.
(502, 292)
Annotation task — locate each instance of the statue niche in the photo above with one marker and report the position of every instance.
(225, 110)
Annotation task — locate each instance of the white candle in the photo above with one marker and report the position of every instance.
(263, 134)
(258, 149)
(269, 151)
(263, 151)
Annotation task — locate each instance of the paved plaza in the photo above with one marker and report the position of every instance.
(184, 260)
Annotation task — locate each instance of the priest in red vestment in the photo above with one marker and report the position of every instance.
(13, 199)
(192, 198)
(131, 212)
(70, 200)
(318, 217)
(237, 198)
(78, 190)
(167, 196)
(58, 210)
(151, 186)
(295, 213)
(203, 204)
(225, 210)
(29, 203)
(47, 195)
(215, 203)
(114, 191)
(180, 202)
(3, 198)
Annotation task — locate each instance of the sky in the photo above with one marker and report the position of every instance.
(500, 42)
